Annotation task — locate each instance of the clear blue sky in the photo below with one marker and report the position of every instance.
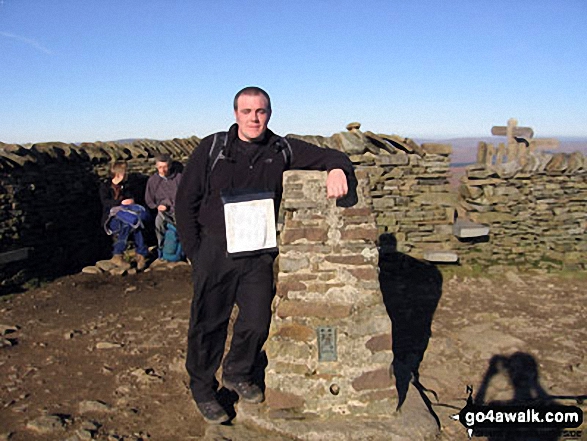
(73, 70)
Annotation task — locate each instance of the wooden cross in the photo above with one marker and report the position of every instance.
(516, 134)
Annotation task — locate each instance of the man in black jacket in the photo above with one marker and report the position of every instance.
(226, 207)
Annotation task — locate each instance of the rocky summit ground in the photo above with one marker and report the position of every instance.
(101, 357)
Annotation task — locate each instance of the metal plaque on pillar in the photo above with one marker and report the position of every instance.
(326, 343)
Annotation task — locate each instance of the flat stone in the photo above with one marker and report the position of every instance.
(283, 400)
(362, 233)
(437, 149)
(399, 426)
(84, 435)
(117, 271)
(291, 285)
(377, 379)
(379, 343)
(294, 262)
(107, 345)
(291, 235)
(15, 255)
(364, 273)
(395, 159)
(482, 182)
(349, 142)
(105, 265)
(94, 406)
(443, 199)
(91, 270)
(481, 174)
(492, 217)
(359, 212)
(294, 308)
(296, 332)
(289, 349)
(350, 259)
(46, 424)
(441, 256)
(463, 228)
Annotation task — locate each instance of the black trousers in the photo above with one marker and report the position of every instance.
(220, 281)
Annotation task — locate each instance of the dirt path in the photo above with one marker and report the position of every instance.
(101, 357)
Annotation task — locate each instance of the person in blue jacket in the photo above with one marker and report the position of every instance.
(114, 192)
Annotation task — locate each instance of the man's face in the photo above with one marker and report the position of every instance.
(162, 168)
(252, 116)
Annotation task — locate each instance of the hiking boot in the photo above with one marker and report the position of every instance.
(141, 262)
(119, 261)
(247, 391)
(213, 412)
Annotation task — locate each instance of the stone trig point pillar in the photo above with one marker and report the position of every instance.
(328, 307)
(329, 347)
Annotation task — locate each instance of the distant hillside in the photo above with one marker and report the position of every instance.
(465, 149)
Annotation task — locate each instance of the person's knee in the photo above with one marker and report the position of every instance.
(257, 324)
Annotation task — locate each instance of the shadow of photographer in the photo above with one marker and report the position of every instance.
(521, 372)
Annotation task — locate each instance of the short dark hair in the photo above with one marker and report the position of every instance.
(163, 157)
(251, 90)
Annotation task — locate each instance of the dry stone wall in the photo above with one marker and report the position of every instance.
(408, 182)
(535, 204)
(49, 203)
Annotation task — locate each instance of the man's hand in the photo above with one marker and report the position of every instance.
(127, 201)
(336, 184)
(161, 208)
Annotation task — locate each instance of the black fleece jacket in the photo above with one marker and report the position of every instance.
(247, 167)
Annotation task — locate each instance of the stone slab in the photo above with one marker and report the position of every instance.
(413, 422)
(441, 256)
(465, 229)
(15, 255)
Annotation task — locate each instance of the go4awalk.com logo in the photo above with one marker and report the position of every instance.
(498, 420)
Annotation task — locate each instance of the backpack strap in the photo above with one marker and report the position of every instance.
(286, 151)
(217, 150)
(216, 153)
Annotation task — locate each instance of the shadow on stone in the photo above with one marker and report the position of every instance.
(227, 400)
(411, 290)
(521, 371)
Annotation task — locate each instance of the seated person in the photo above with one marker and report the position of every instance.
(160, 195)
(116, 192)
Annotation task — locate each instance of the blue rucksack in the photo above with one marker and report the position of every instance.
(132, 214)
(172, 250)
